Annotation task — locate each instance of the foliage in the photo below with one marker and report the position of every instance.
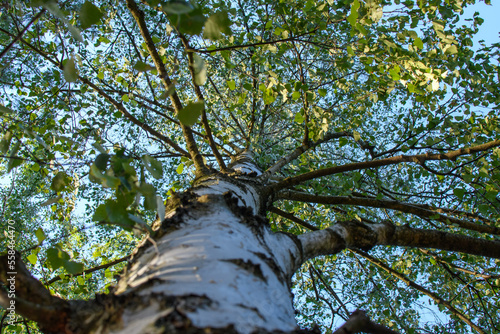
(102, 120)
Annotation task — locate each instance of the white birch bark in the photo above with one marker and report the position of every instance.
(233, 273)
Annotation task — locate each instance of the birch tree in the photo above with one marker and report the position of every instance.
(248, 167)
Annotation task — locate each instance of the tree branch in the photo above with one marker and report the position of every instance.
(419, 288)
(291, 217)
(21, 33)
(204, 120)
(299, 151)
(115, 103)
(138, 15)
(354, 234)
(32, 299)
(359, 322)
(419, 210)
(90, 270)
(419, 159)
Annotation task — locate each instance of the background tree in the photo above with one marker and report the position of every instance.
(373, 133)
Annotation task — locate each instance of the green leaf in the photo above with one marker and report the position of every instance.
(70, 72)
(89, 14)
(216, 25)
(394, 72)
(101, 161)
(451, 50)
(5, 142)
(100, 213)
(56, 258)
(231, 84)
(73, 267)
(143, 67)
(50, 201)
(189, 115)
(40, 235)
(153, 166)
(191, 23)
(353, 16)
(299, 118)
(322, 92)
(14, 161)
(459, 192)
(356, 135)
(177, 7)
(125, 98)
(200, 72)
(5, 110)
(32, 258)
(60, 181)
(180, 169)
(418, 43)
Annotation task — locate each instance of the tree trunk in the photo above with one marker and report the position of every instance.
(213, 263)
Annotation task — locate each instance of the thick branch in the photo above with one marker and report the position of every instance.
(354, 234)
(359, 322)
(31, 299)
(422, 211)
(419, 159)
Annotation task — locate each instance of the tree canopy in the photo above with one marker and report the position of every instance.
(370, 111)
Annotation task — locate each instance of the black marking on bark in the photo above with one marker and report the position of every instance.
(255, 310)
(255, 222)
(106, 312)
(273, 266)
(250, 267)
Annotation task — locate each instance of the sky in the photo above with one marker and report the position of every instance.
(490, 29)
